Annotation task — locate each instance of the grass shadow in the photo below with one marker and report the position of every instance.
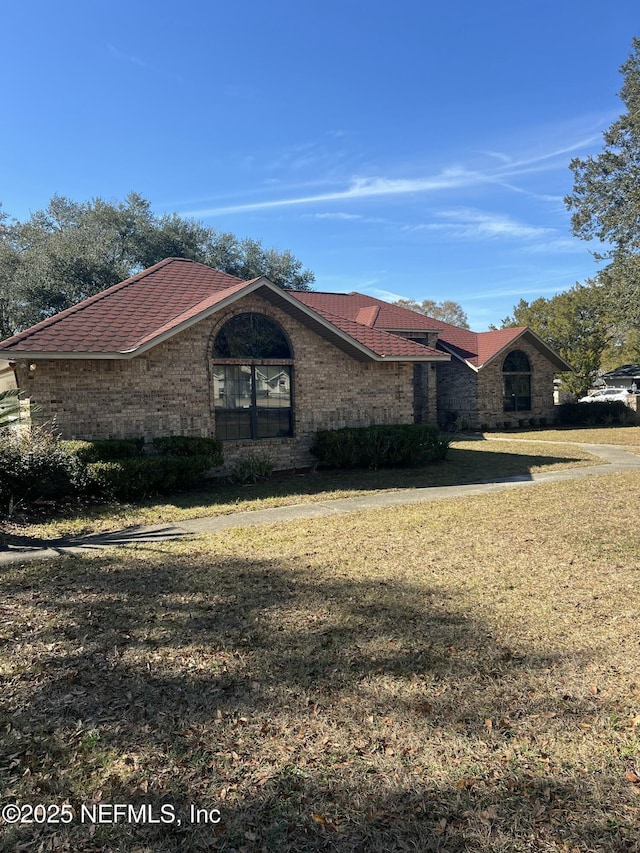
(316, 711)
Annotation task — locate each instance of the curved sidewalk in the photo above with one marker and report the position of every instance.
(615, 458)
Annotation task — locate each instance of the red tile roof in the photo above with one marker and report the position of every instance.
(121, 318)
(474, 347)
(161, 300)
(381, 342)
(158, 302)
(349, 305)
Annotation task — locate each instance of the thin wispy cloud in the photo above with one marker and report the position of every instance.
(126, 57)
(465, 224)
(359, 188)
(563, 245)
(525, 290)
(131, 59)
(474, 225)
(386, 295)
(455, 177)
(341, 216)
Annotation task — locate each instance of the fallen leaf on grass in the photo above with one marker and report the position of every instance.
(323, 821)
(487, 815)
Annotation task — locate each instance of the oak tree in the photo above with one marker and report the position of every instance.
(70, 250)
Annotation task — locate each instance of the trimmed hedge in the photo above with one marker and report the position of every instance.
(37, 464)
(134, 478)
(590, 414)
(183, 445)
(380, 445)
(117, 468)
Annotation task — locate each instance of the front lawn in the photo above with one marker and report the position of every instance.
(469, 461)
(627, 436)
(453, 676)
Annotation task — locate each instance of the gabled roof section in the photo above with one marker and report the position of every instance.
(387, 346)
(139, 313)
(478, 349)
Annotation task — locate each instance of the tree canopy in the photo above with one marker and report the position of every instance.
(574, 324)
(595, 325)
(605, 202)
(447, 311)
(70, 250)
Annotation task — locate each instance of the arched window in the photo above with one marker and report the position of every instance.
(516, 382)
(251, 336)
(252, 375)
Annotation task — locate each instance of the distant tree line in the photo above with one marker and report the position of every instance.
(447, 311)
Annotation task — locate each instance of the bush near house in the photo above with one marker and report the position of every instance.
(36, 465)
(119, 469)
(135, 478)
(33, 466)
(380, 445)
(592, 414)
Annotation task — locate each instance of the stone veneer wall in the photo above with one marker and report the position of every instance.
(167, 390)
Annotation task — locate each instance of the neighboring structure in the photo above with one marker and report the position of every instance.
(627, 376)
(183, 349)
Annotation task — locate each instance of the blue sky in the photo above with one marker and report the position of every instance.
(408, 149)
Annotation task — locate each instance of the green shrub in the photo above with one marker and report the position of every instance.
(103, 450)
(251, 469)
(380, 445)
(135, 478)
(183, 445)
(591, 414)
(32, 466)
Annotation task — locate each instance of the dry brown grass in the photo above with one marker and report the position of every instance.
(628, 436)
(462, 675)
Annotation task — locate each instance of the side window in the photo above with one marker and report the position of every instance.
(252, 397)
(516, 382)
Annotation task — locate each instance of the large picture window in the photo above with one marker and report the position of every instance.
(516, 382)
(252, 397)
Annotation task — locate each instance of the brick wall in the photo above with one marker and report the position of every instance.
(490, 403)
(457, 394)
(167, 390)
(477, 397)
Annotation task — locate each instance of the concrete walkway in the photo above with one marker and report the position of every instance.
(615, 458)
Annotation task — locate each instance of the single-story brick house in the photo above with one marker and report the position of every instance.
(183, 349)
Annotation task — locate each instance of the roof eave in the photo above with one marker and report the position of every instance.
(42, 355)
(422, 358)
(451, 350)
